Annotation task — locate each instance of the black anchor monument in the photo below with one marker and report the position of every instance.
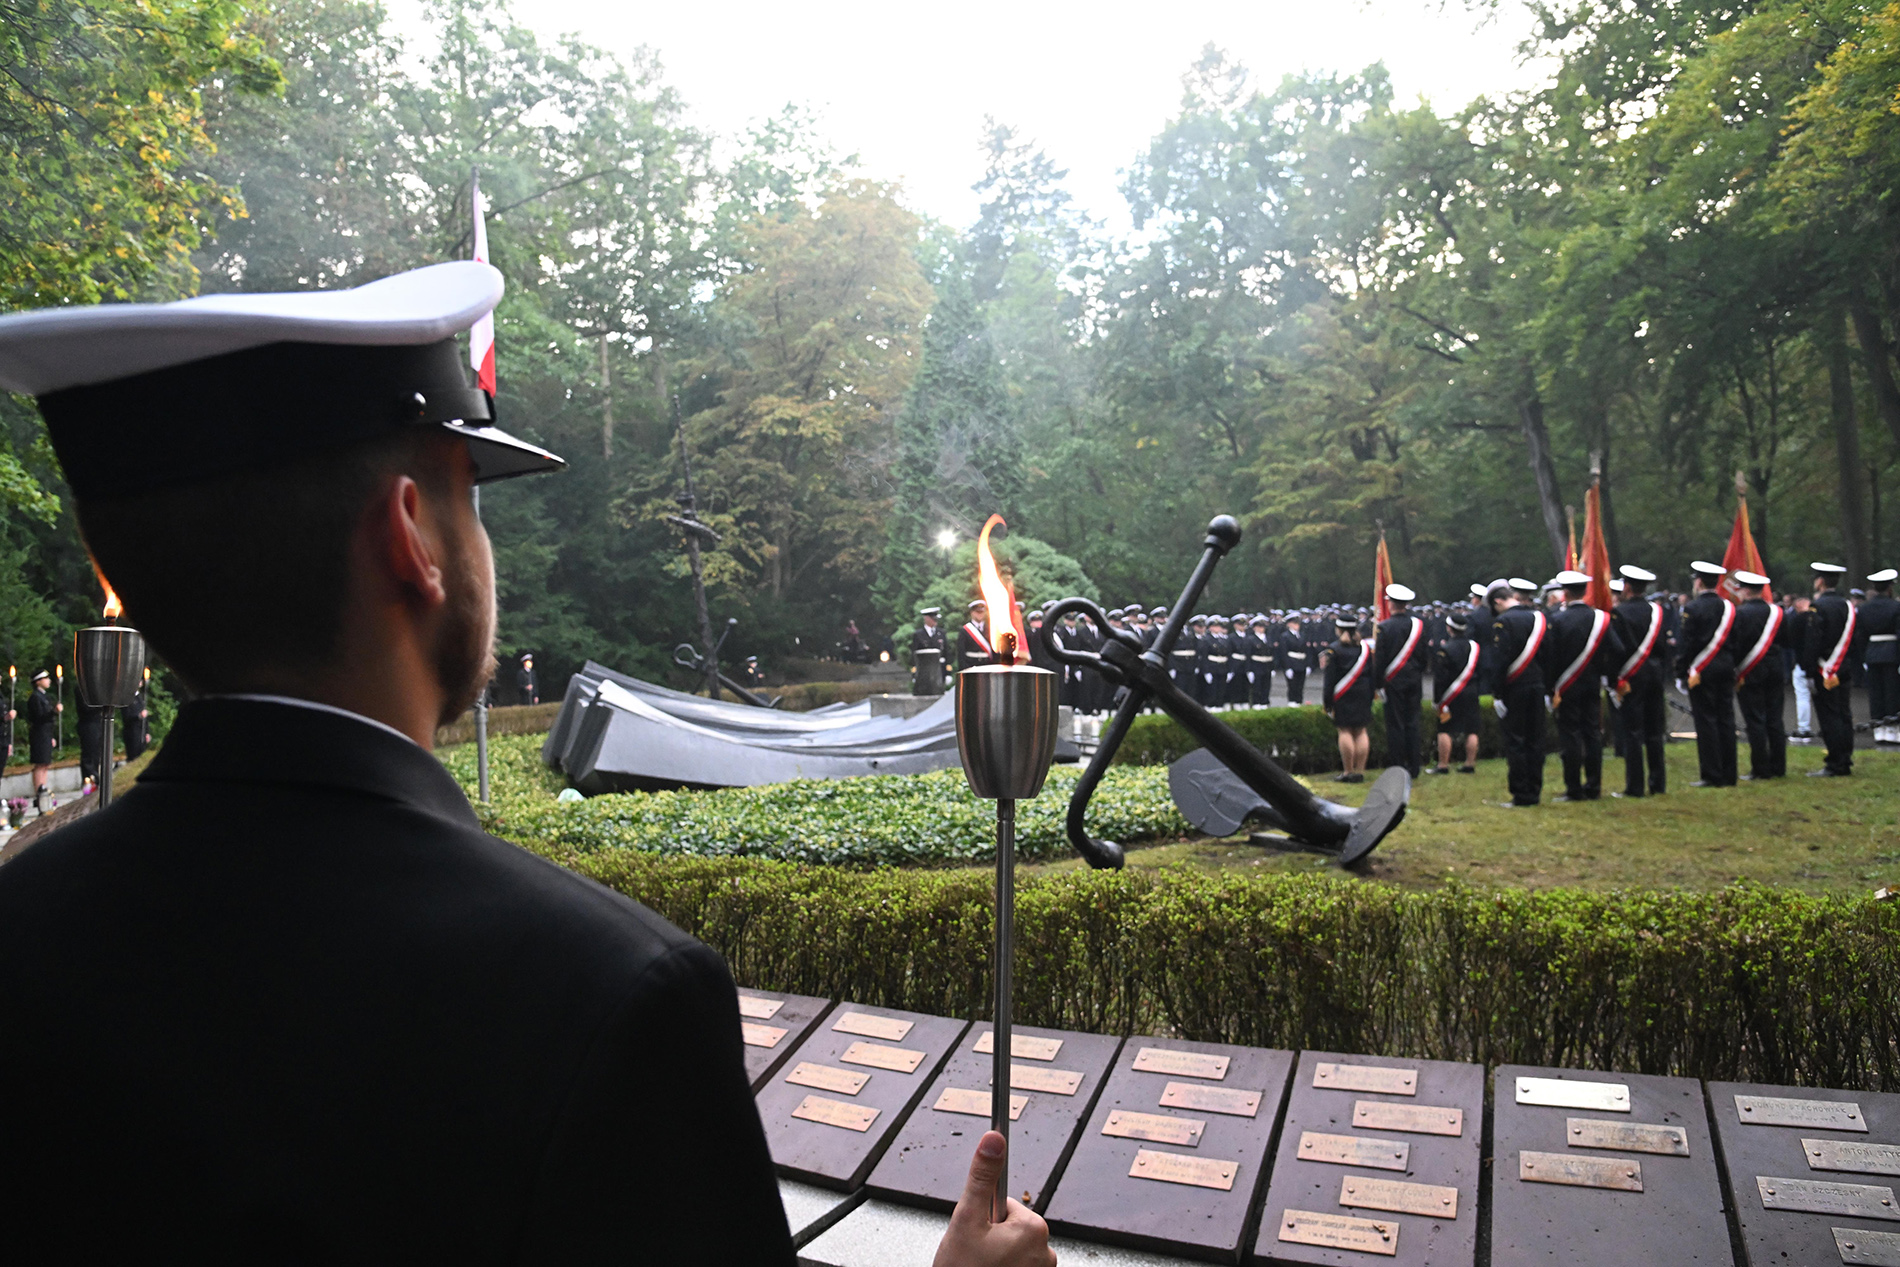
(1227, 782)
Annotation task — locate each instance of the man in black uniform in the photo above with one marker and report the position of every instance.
(42, 738)
(527, 686)
(1217, 650)
(1879, 621)
(926, 653)
(1759, 635)
(285, 999)
(1260, 659)
(1152, 626)
(1186, 660)
(1479, 618)
(1518, 630)
(1581, 649)
(1291, 657)
(1455, 692)
(1398, 650)
(1832, 628)
(973, 640)
(1640, 681)
(1705, 663)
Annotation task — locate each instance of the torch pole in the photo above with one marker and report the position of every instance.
(59, 698)
(1002, 1007)
(105, 762)
(481, 708)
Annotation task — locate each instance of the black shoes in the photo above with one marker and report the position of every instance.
(1467, 769)
(1825, 773)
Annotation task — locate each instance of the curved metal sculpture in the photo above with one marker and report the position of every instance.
(1322, 826)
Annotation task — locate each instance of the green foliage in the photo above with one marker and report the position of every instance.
(1303, 740)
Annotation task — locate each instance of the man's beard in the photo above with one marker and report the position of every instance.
(465, 646)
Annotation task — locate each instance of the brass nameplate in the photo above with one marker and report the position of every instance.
(1354, 1150)
(1847, 1154)
(889, 1028)
(976, 1103)
(1414, 1119)
(1157, 1128)
(1374, 1078)
(759, 1009)
(1338, 1231)
(1054, 1081)
(1228, 1100)
(1628, 1137)
(1580, 1172)
(900, 1059)
(1873, 1249)
(1563, 1093)
(1823, 1196)
(827, 1078)
(852, 1117)
(1362, 1193)
(755, 1035)
(1186, 1064)
(1198, 1172)
(1021, 1046)
(1820, 1115)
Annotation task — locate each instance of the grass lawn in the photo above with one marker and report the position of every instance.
(1820, 835)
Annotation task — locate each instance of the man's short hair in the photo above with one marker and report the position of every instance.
(250, 571)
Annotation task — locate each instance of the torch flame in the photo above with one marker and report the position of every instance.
(1006, 621)
(114, 608)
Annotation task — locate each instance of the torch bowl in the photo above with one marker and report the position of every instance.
(1006, 729)
(108, 665)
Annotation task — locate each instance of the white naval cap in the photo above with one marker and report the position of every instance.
(1521, 585)
(1635, 573)
(1709, 569)
(1399, 593)
(1753, 580)
(1479, 589)
(1886, 576)
(1570, 576)
(1616, 585)
(1828, 569)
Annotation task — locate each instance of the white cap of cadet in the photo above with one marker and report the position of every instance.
(1752, 580)
(1399, 593)
(1570, 576)
(1635, 573)
(1704, 568)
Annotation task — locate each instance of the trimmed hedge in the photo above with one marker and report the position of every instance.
(1302, 739)
(1746, 983)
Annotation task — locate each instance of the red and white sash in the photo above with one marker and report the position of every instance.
(1640, 656)
(1531, 645)
(1599, 621)
(1760, 649)
(1354, 673)
(1831, 667)
(1405, 652)
(981, 641)
(1462, 680)
(1716, 641)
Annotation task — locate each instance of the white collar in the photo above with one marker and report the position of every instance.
(294, 702)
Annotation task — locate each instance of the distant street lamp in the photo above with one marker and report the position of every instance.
(947, 539)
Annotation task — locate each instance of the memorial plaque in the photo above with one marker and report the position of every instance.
(1363, 1193)
(929, 1160)
(814, 1150)
(852, 1117)
(1813, 1115)
(1178, 1201)
(1189, 1095)
(1156, 1128)
(1554, 1200)
(872, 1026)
(898, 1059)
(1624, 1174)
(827, 1078)
(1864, 1245)
(1199, 1172)
(1338, 1231)
(1562, 1093)
(1021, 1046)
(1811, 1146)
(768, 1047)
(1627, 1137)
(1353, 1150)
(1186, 1064)
(1428, 1175)
(1845, 1154)
(976, 1103)
(1342, 1077)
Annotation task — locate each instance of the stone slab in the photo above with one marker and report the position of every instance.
(1446, 1161)
(810, 1210)
(796, 1015)
(1678, 1217)
(1098, 1200)
(833, 1156)
(929, 1160)
(883, 1234)
(1749, 1152)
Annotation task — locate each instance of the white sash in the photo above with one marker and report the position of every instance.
(1405, 652)
(1718, 639)
(1463, 679)
(1352, 675)
(1831, 667)
(1599, 621)
(1768, 631)
(1640, 656)
(981, 641)
(1531, 645)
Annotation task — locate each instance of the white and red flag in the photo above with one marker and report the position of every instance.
(481, 336)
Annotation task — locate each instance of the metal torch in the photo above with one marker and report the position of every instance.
(1006, 736)
(108, 668)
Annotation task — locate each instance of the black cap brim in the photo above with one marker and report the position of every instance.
(500, 456)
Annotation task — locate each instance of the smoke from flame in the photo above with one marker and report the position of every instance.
(114, 608)
(1006, 621)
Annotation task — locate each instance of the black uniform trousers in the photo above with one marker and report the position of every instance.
(1523, 726)
(1713, 706)
(1296, 686)
(1883, 691)
(1403, 704)
(1834, 714)
(1580, 742)
(1262, 694)
(1760, 698)
(1645, 718)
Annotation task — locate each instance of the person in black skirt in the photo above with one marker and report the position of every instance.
(1455, 691)
(42, 726)
(1346, 694)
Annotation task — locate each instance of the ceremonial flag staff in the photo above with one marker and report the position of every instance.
(1381, 577)
(59, 717)
(481, 359)
(13, 681)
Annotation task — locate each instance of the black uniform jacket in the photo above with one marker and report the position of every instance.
(1448, 664)
(1827, 618)
(1569, 638)
(286, 1002)
(1392, 636)
(1340, 657)
(1292, 653)
(1511, 631)
(970, 652)
(1633, 618)
(1751, 621)
(1701, 621)
(1877, 629)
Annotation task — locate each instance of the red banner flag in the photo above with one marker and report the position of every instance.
(1742, 554)
(1381, 577)
(481, 336)
(1596, 552)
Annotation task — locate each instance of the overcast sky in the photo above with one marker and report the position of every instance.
(908, 88)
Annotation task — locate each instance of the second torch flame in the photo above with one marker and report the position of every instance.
(114, 608)
(1006, 621)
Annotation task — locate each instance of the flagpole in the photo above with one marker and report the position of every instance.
(480, 252)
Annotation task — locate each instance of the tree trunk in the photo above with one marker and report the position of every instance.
(1840, 381)
(1877, 355)
(606, 403)
(1537, 439)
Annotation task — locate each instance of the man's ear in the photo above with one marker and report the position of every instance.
(410, 548)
